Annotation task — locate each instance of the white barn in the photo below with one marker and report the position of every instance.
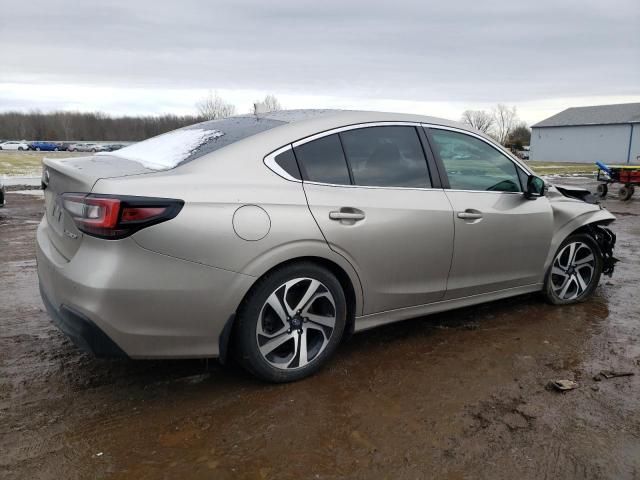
(606, 133)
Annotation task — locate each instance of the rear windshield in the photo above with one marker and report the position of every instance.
(180, 146)
(233, 129)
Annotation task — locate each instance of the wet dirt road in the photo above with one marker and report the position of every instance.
(456, 395)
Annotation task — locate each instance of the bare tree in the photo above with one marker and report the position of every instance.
(505, 119)
(213, 107)
(478, 119)
(269, 104)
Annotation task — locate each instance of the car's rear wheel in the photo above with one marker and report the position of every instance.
(575, 271)
(291, 323)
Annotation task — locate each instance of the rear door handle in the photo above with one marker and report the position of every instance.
(347, 214)
(470, 214)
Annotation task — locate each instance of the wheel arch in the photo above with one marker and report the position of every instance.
(350, 285)
(580, 224)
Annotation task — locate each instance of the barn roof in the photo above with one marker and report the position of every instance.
(596, 115)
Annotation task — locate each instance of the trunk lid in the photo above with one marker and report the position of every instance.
(76, 175)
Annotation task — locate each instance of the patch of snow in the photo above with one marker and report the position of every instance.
(30, 181)
(167, 150)
(35, 193)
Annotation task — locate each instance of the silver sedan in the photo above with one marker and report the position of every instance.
(272, 238)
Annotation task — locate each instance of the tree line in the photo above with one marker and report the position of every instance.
(502, 123)
(87, 126)
(81, 126)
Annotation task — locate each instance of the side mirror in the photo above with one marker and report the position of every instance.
(535, 187)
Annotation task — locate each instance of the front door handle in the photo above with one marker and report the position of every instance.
(347, 213)
(470, 214)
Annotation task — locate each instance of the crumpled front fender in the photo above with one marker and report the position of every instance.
(568, 216)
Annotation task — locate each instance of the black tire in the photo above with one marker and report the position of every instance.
(626, 192)
(602, 190)
(253, 308)
(554, 282)
(37, 149)
(20, 148)
(55, 149)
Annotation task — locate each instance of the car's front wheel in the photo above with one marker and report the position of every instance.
(291, 322)
(575, 271)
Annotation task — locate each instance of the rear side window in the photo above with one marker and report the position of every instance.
(287, 162)
(472, 164)
(323, 161)
(386, 157)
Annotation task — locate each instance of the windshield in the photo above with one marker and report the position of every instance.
(180, 146)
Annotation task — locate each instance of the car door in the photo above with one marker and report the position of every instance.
(501, 237)
(370, 192)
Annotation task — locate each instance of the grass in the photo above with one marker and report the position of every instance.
(557, 168)
(27, 163)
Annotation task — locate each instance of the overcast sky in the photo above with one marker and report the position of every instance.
(437, 58)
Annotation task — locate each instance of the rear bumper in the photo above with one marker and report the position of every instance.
(115, 298)
(82, 331)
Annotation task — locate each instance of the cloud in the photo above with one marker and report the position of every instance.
(463, 52)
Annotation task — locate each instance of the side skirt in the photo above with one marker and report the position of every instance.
(366, 322)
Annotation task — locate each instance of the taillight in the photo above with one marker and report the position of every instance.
(115, 216)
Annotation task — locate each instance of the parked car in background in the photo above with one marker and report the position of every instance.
(14, 145)
(271, 237)
(44, 146)
(87, 147)
(63, 146)
(114, 146)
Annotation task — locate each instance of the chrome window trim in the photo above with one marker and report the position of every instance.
(377, 187)
(355, 126)
(493, 145)
(495, 192)
(270, 162)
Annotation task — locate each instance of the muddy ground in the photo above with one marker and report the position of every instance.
(456, 395)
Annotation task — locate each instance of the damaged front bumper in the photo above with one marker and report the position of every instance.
(606, 240)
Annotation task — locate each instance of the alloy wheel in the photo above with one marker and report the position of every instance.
(573, 270)
(296, 323)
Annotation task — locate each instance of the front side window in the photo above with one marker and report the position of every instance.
(323, 161)
(389, 156)
(472, 164)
